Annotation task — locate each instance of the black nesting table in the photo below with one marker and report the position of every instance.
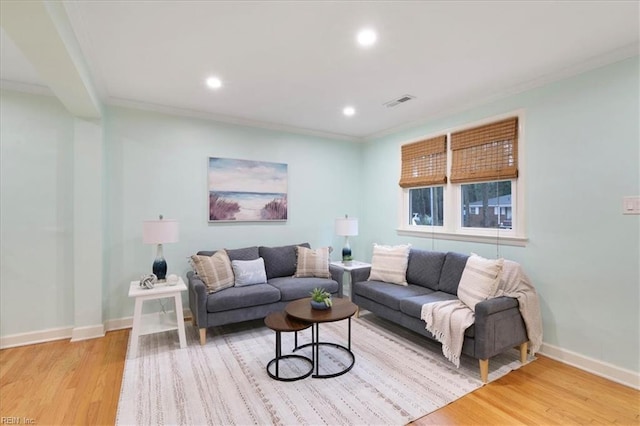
(342, 309)
(281, 322)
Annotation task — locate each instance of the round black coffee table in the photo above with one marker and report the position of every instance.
(341, 309)
(281, 322)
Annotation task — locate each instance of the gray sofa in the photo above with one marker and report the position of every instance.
(434, 276)
(236, 304)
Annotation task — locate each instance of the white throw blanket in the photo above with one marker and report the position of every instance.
(449, 319)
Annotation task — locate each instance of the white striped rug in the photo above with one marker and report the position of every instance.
(398, 377)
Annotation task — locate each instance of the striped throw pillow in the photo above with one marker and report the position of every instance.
(389, 264)
(215, 271)
(312, 263)
(480, 280)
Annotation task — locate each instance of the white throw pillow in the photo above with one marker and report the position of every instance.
(389, 264)
(215, 271)
(312, 263)
(480, 280)
(248, 272)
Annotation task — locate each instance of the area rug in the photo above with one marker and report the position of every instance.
(398, 377)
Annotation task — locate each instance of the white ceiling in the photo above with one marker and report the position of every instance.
(295, 65)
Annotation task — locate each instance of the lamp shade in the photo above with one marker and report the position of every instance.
(160, 231)
(346, 226)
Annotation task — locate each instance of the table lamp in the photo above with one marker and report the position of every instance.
(160, 232)
(346, 227)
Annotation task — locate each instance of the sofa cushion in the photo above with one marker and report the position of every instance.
(247, 253)
(452, 272)
(299, 288)
(387, 294)
(424, 268)
(242, 297)
(249, 272)
(312, 263)
(412, 306)
(280, 261)
(480, 280)
(389, 264)
(215, 271)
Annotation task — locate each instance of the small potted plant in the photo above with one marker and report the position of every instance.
(320, 299)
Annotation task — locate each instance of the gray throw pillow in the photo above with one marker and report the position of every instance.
(248, 272)
(280, 261)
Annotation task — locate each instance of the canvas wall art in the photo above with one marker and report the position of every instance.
(244, 190)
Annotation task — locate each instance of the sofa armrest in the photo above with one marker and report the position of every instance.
(197, 299)
(497, 304)
(498, 326)
(360, 274)
(337, 274)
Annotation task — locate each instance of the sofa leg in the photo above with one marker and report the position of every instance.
(193, 321)
(203, 336)
(523, 352)
(484, 370)
(358, 312)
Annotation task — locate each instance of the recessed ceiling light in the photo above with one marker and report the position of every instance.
(367, 37)
(214, 83)
(349, 111)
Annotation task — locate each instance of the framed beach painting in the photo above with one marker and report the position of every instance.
(247, 191)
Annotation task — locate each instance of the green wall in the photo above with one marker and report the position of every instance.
(582, 156)
(153, 163)
(158, 164)
(36, 214)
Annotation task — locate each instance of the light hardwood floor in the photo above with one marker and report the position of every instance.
(63, 383)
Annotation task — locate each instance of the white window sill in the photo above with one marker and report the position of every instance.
(486, 239)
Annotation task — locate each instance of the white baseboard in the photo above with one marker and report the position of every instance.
(127, 322)
(75, 334)
(33, 337)
(87, 332)
(599, 368)
(118, 324)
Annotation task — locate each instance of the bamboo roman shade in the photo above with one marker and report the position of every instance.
(424, 162)
(488, 152)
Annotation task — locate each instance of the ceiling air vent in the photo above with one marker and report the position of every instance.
(398, 101)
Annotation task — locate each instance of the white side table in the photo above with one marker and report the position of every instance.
(350, 266)
(159, 291)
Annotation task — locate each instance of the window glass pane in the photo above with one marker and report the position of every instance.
(487, 205)
(425, 206)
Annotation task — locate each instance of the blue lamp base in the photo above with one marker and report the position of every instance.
(346, 251)
(160, 265)
(160, 269)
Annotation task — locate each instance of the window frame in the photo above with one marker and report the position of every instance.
(408, 204)
(452, 228)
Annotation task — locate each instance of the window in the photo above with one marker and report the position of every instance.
(464, 184)
(426, 206)
(424, 163)
(486, 205)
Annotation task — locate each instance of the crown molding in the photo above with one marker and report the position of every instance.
(592, 63)
(34, 89)
(184, 112)
(589, 64)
